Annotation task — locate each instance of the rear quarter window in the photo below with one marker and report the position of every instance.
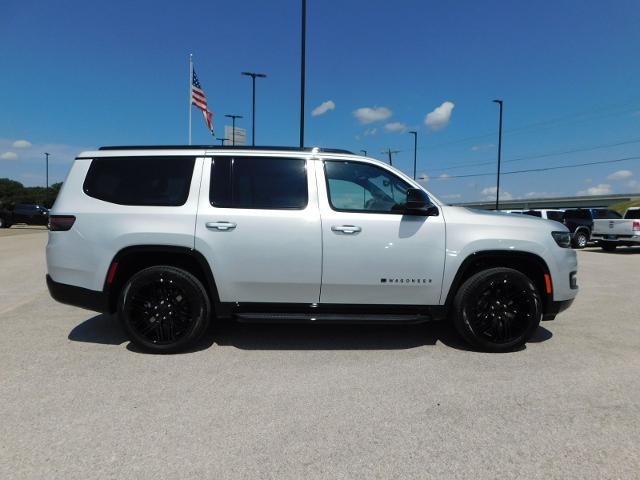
(150, 181)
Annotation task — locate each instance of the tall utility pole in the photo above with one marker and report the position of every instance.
(253, 76)
(499, 102)
(415, 151)
(364, 152)
(303, 42)
(46, 192)
(233, 126)
(222, 140)
(390, 152)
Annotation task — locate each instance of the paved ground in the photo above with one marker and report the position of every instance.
(318, 402)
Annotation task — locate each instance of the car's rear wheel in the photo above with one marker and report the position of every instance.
(608, 246)
(580, 239)
(164, 309)
(497, 310)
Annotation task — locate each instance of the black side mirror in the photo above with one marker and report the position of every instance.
(418, 203)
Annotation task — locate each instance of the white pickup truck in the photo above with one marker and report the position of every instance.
(616, 231)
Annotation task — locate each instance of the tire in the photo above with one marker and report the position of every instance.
(497, 310)
(608, 246)
(580, 239)
(176, 296)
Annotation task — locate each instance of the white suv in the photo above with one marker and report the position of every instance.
(171, 237)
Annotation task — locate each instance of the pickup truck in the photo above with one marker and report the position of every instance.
(613, 232)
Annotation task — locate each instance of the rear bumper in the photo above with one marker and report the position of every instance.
(555, 308)
(78, 296)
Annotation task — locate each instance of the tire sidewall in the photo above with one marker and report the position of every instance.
(469, 291)
(200, 322)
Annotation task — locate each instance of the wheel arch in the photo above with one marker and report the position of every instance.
(132, 259)
(528, 263)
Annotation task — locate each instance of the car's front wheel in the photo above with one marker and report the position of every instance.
(164, 309)
(497, 310)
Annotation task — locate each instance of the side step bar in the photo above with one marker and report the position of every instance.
(330, 318)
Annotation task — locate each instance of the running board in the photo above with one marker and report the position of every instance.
(330, 318)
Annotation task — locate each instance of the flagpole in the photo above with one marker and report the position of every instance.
(190, 83)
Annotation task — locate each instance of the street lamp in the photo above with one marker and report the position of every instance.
(415, 149)
(46, 192)
(233, 123)
(499, 102)
(222, 140)
(364, 152)
(253, 76)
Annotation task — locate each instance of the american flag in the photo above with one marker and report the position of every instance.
(199, 99)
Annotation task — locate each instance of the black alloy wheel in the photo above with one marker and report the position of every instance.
(497, 310)
(164, 309)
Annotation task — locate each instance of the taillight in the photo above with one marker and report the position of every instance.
(61, 223)
(636, 226)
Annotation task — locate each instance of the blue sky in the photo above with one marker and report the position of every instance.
(80, 74)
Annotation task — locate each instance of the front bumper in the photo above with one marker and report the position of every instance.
(78, 296)
(554, 308)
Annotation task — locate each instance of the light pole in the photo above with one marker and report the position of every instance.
(233, 123)
(46, 191)
(499, 102)
(222, 140)
(253, 76)
(415, 150)
(364, 152)
(390, 152)
(303, 41)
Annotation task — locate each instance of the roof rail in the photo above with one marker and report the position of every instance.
(221, 147)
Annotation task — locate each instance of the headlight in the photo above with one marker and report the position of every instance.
(563, 239)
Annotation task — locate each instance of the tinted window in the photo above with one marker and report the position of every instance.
(158, 181)
(555, 215)
(263, 183)
(533, 213)
(633, 214)
(360, 187)
(604, 213)
(580, 214)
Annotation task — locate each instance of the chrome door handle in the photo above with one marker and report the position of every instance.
(350, 229)
(220, 225)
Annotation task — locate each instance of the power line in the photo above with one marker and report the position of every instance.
(541, 155)
(541, 169)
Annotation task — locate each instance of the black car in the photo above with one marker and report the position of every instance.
(579, 221)
(24, 213)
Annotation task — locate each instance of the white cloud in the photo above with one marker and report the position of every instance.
(479, 148)
(324, 107)
(620, 175)
(21, 144)
(370, 131)
(440, 116)
(600, 189)
(444, 176)
(633, 184)
(451, 196)
(395, 127)
(9, 156)
(369, 115)
(490, 194)
(540, 194)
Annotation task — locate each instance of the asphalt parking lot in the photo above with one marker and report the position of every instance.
(318, 401)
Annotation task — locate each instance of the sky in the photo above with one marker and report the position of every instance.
(75, 75)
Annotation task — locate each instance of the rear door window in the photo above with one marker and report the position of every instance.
(150, 181)
(555, 215)
(260, 183)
